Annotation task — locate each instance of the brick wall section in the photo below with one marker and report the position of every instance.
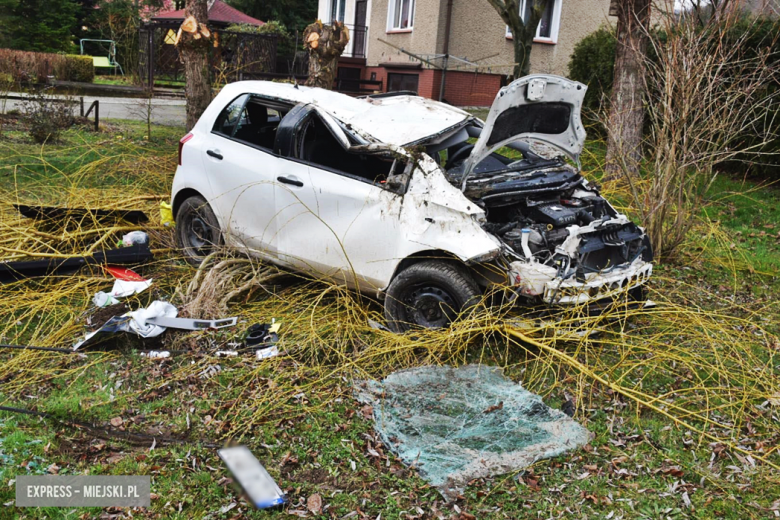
(462, 88)
(470, 89)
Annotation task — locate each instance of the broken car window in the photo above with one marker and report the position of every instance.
(318, 147)
(228, 118)
(258, 123)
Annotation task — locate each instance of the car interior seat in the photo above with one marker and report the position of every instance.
(257, 130)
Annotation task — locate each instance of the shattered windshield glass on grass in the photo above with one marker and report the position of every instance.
(457, 424)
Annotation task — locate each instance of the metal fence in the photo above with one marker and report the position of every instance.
(234, 56)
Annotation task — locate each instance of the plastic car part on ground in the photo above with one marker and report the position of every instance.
(12, 271)
(166, 214)
(458, 424)
(127, 283)
(252, 476)
(262, 338)
(135, 322)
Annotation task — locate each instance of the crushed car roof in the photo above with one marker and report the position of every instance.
(397, 120)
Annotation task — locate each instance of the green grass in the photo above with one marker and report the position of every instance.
(639, 465)
(113, 80)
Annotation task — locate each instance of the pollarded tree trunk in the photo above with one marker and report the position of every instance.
(193, 41)
(627, 116)
(325, 44)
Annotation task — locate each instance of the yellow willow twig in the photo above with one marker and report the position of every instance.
(634, 396)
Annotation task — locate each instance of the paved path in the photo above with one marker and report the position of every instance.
(164, 111)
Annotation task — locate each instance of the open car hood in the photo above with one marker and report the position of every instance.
(539, 107)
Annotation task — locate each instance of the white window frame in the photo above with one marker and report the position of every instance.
(337, 4)
(556, 23)
(391, 5)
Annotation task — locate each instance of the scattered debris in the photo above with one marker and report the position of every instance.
(142, 320)
(378, 326)
(166, 214)
(262, 337)
(253, 477)
(268, 352)
(190, 324)
(102, 299)
(156, 354)
(12, 271)
(210, 372)
(137, 322)
(445, 422)
(134, 237)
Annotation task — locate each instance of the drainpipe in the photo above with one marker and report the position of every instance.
(446, 50)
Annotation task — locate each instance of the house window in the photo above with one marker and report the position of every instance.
(547, 31)
(400, 15)
(397, 82)
(337, 9)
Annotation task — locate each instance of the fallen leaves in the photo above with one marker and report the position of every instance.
(495, 407)
(314, 504)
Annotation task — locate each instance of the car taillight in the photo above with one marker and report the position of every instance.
(181, 144)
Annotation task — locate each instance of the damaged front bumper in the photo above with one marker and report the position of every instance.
(536, 280)
(598, 286)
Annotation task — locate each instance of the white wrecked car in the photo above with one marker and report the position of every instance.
(408, 199)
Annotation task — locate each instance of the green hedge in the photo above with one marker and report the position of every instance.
(78, 68)
(593, 63)
(32, 67)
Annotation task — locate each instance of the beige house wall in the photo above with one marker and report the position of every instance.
(478, 33)
(427, 36)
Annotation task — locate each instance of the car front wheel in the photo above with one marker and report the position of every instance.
(197, 230)
(429, 294)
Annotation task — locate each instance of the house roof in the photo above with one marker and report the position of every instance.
(219, 12)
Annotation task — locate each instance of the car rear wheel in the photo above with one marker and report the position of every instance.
(430, 295)
(197, 230)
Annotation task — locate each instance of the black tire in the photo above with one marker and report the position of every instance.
(429, 294)
(197, 230)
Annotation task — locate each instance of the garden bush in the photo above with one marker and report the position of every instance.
(73, 67)
(37, 67)
(47, 117)
(593, 63)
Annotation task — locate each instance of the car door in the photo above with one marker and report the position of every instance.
(333, 223)
(242, 171)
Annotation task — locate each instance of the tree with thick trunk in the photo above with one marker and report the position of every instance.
(523, 31)
(325, 44)
(627, 116)
(193, 40)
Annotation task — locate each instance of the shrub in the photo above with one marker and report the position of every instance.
(270, 27)
(593, 63)
(47, 117)
(27, 67)
(37, 67)
(73, 67)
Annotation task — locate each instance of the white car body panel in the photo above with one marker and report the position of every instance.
(242, 194)
(396, 121)
(526, 91)
(358, 232)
